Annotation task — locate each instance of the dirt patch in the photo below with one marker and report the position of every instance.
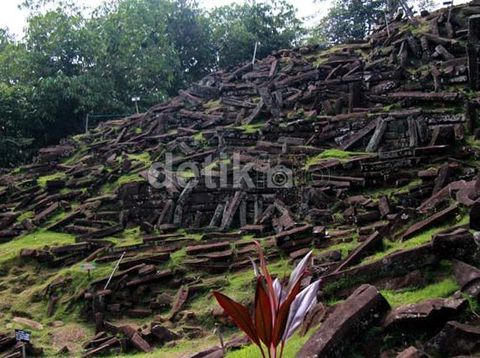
(70, 335)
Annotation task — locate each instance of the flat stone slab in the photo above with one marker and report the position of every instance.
(455, 339)
(352, 317)
(468, 278)
(426, 313)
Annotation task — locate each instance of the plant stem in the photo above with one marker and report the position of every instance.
(281, 349)
(261, 350)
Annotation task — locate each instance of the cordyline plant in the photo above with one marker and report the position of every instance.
(278, 312)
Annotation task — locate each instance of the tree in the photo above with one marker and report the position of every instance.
(69, 65)
(188, 27)
(236, 28)
(352, 20)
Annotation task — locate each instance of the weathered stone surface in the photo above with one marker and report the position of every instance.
(163, 334)
(429, 313)
(412, 352)
(393, 265)
(455, 339)
(458, 244)
(468, 278)
(475, 216)
(363, 308)
(430, 221)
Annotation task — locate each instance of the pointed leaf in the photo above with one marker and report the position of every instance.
(255, 267)
(282, 315)
(268, 278)
(263, 313)
(240, 316)
(299, 271)
(277, 287)
(299, 308)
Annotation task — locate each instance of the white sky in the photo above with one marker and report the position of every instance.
(14, 19)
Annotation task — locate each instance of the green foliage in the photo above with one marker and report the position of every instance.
(342, 155)
(251, 128)
(69, 65)
(42, 181)
(25, 215)
(129, 178)
(420, 239)
(236, 28)
(353, 20)
(291, 349)
(143, 157)
(440, 289)
(34, 240)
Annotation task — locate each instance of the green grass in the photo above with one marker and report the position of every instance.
(176, 258)
(332, 154)
(441, 289)
(344, 247)
(143, 158)
(33, 283)
(34, 240)
(199, 137)
(212, 104)
(182, 348)
(187, 174)
(292, 347)
(42, 181)
(25, 215)
(389, 191)
(251, 128)
(240, 287)
(129, 237)
(473, 143)
(129, 178)
(418, 240)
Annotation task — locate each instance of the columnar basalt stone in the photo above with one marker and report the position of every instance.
(360, 311)
(428, 314)
(475, 216)
(456, 339)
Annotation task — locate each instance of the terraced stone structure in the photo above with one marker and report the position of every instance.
(365, 153)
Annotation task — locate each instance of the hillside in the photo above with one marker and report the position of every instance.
(365, 153)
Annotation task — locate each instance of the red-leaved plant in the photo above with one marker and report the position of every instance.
(278, 312)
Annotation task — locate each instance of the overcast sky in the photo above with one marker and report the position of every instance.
(14, 19)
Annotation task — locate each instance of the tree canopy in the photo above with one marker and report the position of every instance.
(351, 20)
(69, 64)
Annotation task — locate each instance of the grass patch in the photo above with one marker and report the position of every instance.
(34, 240)
(344, 247)
(292, 347)
(143, 158)
(420, 239)
(177, 258)
(212, 104)
(187, 174)
(129, 178)
(342, 155)
(199, 137)
(26, 215)
(42, 181)
(440, 289)
(240, 287)
(182, 348)
(128, 237)
(251, 128)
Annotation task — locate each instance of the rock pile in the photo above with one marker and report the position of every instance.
(365, 146)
